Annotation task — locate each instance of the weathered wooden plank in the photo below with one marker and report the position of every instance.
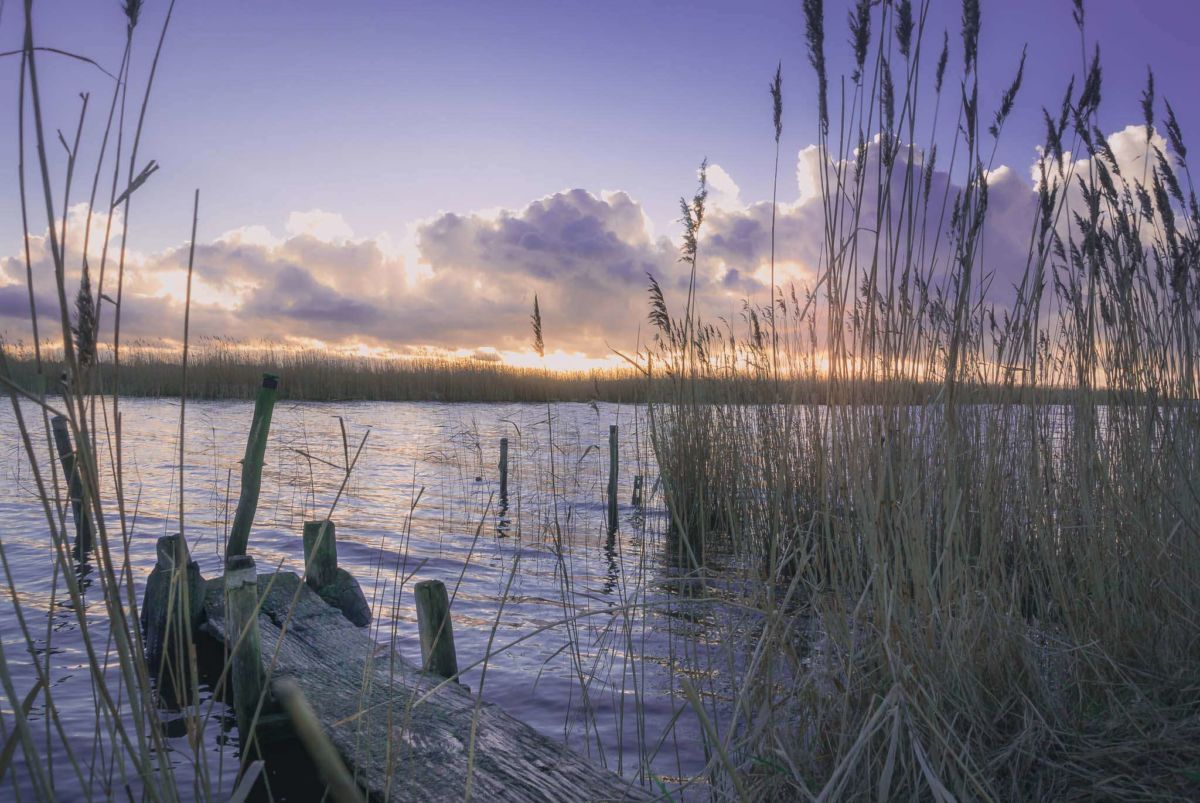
(398, 748)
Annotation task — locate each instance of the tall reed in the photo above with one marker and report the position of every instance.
(976, 556)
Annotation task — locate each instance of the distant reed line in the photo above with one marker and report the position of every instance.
(222, 371)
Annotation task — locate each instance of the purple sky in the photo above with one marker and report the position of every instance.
(385, 115)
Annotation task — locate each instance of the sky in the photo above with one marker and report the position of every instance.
(405, 176)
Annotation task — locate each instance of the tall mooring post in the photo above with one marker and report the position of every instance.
(504, 472)
(612, 477)
(252, 463)
(66, 456)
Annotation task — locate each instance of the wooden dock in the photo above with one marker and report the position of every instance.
(302, 666)
(403, 734)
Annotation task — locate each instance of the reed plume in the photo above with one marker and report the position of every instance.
(539, 345)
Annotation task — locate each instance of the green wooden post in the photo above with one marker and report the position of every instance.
(320, 553)
(437, 635)
(256, 447)
(612, 477)
(504, 472)
(66, 455)
(241, 597)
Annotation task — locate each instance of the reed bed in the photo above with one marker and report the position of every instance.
(990, 591)
(224, 369)
(924, 544)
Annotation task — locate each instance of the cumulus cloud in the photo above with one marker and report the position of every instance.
(463, 282)
(328, 227)
(585, 255)
(723, 191)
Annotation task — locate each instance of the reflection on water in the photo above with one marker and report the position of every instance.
(590, 630)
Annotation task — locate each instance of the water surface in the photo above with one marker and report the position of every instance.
(422, 502)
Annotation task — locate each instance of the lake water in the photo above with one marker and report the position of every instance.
(421, 503)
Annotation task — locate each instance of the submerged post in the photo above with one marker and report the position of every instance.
(612, 477)
(437, 635)
(637, 491)
(241, 597)
(256, 447)
(320, 553)
(504, 472)
(66, 455)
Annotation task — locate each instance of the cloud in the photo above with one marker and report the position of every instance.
(585, 255)
(723, 191)
(327, 227)
(250, 235)
(464, 282)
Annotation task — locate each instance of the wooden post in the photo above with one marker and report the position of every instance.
(256, 447)
(165, 585)
(62, 442)
(504, 472)
(241, 597)
(334, 585)
(637, 491)
(612, 477)
(321, 571)
(320, 553)
(437, 635)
